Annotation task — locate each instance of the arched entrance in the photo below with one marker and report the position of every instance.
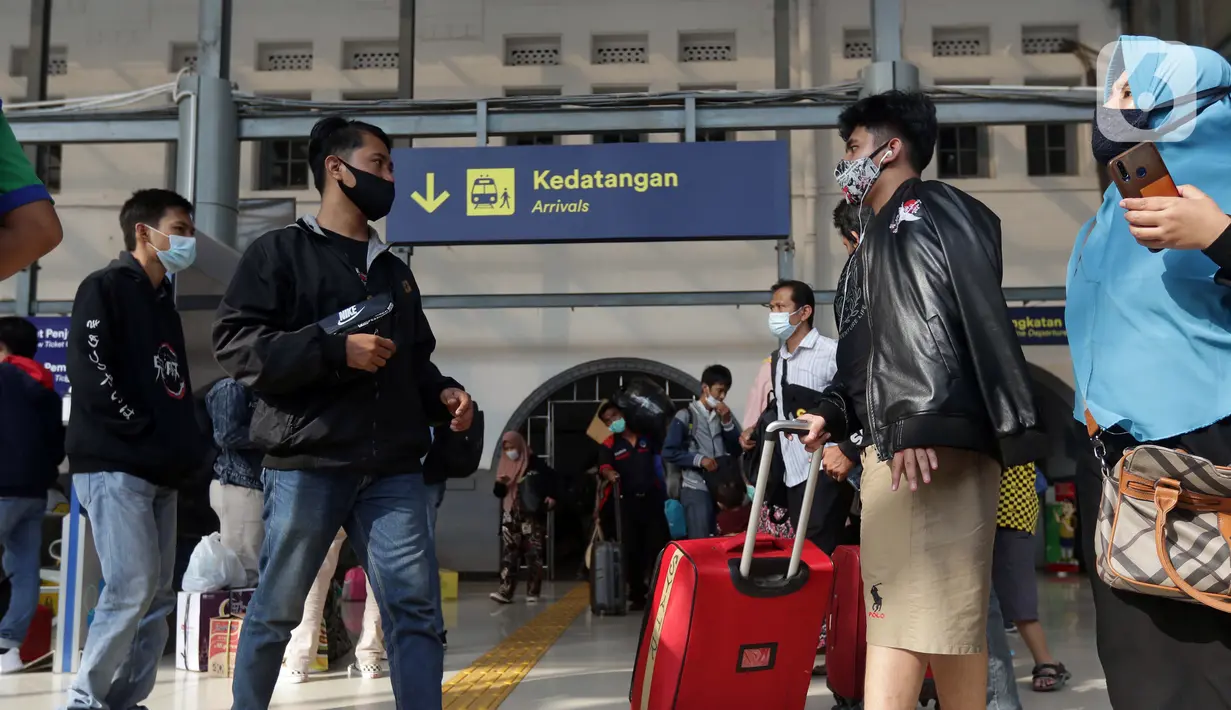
(554, 420)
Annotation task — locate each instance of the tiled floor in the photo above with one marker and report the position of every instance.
(587, 669)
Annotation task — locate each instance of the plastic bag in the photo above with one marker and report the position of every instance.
(213, 566)
(646, 407)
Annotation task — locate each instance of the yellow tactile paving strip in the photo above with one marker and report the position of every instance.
(490, 679)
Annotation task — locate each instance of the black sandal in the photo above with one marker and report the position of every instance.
(1049, 677)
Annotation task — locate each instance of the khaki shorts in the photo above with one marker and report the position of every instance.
(927, 556)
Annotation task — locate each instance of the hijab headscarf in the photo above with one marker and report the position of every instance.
(510, 472)
(1150, 334)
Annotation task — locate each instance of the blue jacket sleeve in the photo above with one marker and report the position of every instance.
(230, 415)
(675, 448)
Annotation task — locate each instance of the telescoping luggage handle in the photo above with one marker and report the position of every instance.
(758, 500)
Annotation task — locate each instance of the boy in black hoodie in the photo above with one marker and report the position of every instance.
(32, 442)
(132, 440)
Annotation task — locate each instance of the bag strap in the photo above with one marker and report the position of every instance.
(1166, 496)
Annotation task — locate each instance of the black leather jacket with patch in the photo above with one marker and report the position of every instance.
(945, 367)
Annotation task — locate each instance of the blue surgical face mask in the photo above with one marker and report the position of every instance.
(617, 427)
(780, 325)
(752, 492)
(180, 255)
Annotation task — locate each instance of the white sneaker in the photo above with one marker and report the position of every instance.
(498, 597)
(371, 671)
(10, 661)
(293, 677)
(532, 600)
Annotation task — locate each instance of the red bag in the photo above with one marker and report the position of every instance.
(734, 621)
(355, 588)
(37, 644)
(847, 637)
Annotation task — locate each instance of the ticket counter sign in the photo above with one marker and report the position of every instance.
(591, 193)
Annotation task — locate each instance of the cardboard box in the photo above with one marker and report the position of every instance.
(224, 645)
(448, 584)
(194, 613)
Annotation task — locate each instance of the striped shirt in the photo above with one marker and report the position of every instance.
(813, 365)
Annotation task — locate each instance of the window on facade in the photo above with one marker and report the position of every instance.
(49, 170)
(532, 51)
(57, 61)
(284, 56)
(962, 152)
(183, 56)
(960, 41)
(1050, 39)
(707, 46)
(710, 135)
(620, 136)
(620, 49)
(857, 43)
(376, 54)
(532, 138)
(1049, 149)
(283, 162)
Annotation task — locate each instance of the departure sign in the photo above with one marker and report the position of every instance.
(589, 193)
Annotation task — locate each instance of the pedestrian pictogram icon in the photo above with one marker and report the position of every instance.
(432, 201)
(491, 192)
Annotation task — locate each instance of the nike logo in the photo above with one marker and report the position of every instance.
(348, 315)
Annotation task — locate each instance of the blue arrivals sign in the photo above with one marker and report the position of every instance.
(1039, 325)
(591, 193)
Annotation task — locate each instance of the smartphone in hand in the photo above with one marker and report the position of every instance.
(1140, 172)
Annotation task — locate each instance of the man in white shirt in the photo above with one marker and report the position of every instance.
(807, 360)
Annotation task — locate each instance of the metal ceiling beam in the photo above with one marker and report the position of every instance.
(580, 300)
(106, 128)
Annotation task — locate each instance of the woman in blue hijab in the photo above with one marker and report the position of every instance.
(1150, 336)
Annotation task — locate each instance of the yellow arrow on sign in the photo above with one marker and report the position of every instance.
(432, 201)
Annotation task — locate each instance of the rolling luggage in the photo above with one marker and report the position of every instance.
(608, 591)
(847, 642)
(734, 621)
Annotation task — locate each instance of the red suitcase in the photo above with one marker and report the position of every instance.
(847, 639)
(734, 621)
(846, 642)
(37, 645)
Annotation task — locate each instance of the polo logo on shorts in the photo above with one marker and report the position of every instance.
(759, 657)
(877, 601)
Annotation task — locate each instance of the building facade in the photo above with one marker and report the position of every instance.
(1040, 180)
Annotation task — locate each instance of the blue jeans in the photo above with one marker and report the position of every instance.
(133, 523)
(698, 513)
(436, 496)
(21, 534)
(387, 520)
(1001, 683)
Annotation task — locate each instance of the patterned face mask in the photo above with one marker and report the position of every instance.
(857, 176)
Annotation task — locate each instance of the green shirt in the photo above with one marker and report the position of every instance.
(18, 184)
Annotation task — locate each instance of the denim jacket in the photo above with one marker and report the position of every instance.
(230, 412)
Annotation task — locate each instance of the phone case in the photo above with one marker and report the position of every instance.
(1140, 172)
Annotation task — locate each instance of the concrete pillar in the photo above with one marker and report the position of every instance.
(212, 133)
(782, 80)
(888, 70)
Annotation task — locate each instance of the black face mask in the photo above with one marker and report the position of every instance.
(1105, 147)
(372, 194)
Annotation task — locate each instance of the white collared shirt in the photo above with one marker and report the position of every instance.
(814, 364)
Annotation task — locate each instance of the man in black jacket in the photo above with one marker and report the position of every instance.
(132, 441)
(32, 442)
(930, 368)
(327, 328)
